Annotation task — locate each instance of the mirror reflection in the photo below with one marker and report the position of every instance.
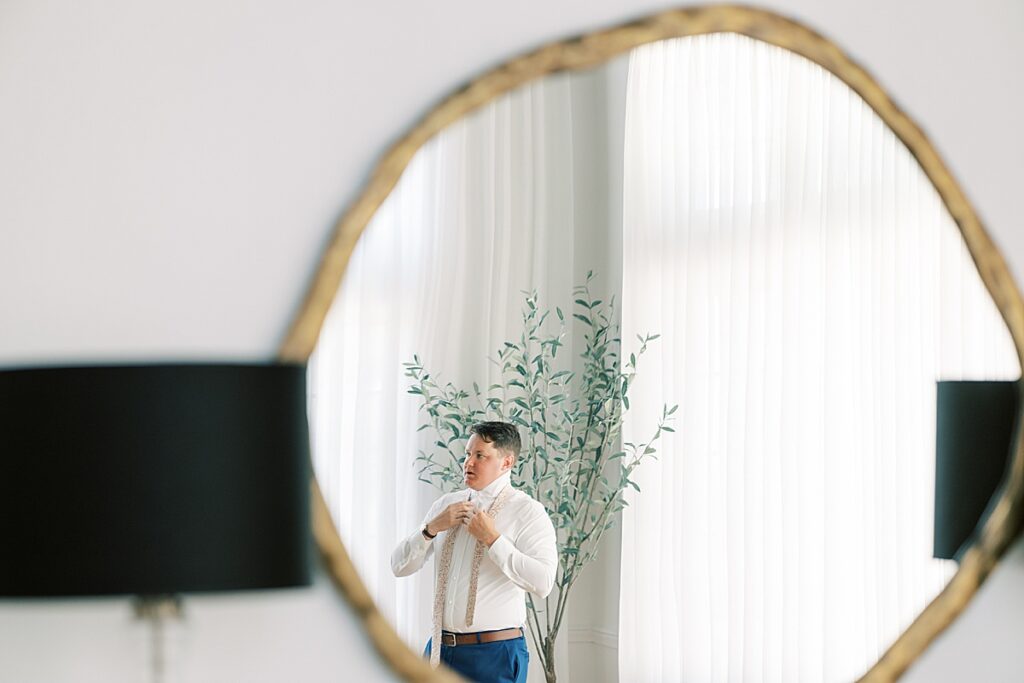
(713, 292)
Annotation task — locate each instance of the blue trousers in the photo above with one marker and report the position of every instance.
(504, 661)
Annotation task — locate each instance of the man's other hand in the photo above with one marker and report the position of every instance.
(481, 525)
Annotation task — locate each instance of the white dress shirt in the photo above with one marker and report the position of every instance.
(524, 558)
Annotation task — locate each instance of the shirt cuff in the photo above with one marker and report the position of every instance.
(501, 550)
(422, 541)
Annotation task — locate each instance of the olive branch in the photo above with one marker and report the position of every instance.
(570, 420)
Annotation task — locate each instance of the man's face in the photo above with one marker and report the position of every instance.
(484, 463)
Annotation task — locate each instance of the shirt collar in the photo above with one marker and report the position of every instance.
(494, 488)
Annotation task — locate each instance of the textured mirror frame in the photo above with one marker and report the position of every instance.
(995, 533)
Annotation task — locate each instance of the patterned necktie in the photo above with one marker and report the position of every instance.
(444, 568)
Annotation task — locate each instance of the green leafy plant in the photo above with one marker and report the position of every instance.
(572, 460)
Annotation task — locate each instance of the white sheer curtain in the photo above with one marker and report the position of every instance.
(810, 289)
(439, 273)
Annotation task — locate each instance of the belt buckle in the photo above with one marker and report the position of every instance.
(444, 639)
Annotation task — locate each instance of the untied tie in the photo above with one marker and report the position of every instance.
(444, 568)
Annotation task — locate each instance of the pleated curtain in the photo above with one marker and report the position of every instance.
(440, 273)
(810, 288)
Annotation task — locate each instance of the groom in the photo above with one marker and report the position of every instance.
(492, 544)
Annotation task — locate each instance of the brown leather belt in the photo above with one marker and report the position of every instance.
(452, 639)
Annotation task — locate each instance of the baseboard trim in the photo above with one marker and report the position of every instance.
(597, 636)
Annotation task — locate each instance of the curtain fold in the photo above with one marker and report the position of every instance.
(484, 212)
(810, 288)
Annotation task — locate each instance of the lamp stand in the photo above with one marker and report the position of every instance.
(156, 610)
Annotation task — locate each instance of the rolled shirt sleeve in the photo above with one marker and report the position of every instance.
(530, 560)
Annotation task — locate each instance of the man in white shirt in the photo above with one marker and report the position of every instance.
(493, 544)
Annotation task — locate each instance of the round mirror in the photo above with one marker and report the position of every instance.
(713, 284)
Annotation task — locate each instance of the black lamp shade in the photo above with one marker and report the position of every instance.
(974, 431)
(153, 479)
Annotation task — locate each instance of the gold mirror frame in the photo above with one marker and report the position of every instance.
(1003, 523)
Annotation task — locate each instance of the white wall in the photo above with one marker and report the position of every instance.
(269, 637)
(169, 172)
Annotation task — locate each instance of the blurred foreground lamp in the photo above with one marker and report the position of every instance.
(975, 425)
(153, 480)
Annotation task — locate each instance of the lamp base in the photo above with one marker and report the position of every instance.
(156, 610)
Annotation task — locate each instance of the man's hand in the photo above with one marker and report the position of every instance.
(453, 515)
(481, 525)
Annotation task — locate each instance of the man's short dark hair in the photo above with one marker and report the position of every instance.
(502, 435)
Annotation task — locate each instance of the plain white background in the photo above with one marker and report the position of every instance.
(170, 171)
